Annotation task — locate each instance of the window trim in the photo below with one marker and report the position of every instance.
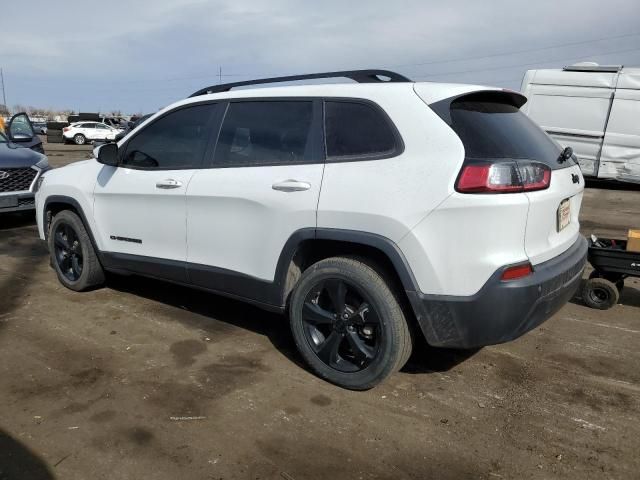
(317, 150)
(214, 121)
(318, 131)
(399, 142)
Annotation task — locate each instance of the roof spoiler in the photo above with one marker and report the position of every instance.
(443, 107)
(360, 76)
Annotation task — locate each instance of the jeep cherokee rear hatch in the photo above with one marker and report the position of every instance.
(507, 153)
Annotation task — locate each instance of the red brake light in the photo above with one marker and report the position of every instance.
(518, 271)
(65, 129)
(503, 177)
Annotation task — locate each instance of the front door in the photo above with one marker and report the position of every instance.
(140, 205)
(21, 131)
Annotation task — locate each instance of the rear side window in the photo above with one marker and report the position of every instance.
(87, 125)
(265, 133)
(175, 141)
(493, 129)
(356, 130)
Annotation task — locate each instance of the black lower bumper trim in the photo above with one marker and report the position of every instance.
(501, 310)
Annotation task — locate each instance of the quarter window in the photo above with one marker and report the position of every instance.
(265, 133)
(175, 141)
(355, 130)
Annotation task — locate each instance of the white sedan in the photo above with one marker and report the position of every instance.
(83, 132)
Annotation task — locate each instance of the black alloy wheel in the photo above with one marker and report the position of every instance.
(68, 252)
(341, 325)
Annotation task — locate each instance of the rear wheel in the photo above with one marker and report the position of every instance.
(72, 254)
(79, 139)
(348, 324)
(600, 293)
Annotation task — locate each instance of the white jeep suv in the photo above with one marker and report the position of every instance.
(370, 212)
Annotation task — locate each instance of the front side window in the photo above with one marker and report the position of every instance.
(177, 140)
(101, 126)
(357, 130)
(265, 133)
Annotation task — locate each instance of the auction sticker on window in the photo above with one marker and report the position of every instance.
(564, 214)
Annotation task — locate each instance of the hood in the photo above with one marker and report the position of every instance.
(12, 156)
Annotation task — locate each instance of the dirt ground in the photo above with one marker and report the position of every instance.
(145, 380)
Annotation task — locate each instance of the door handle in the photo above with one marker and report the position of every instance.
(168, 184)
(291, 186)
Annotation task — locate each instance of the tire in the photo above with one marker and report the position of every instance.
(357, 342)
(600, 293)
(618, 280)
(72, 254)
(79, 139)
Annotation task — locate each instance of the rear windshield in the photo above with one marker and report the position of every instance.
(492, 129)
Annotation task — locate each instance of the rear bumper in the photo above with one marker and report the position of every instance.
(501, 311)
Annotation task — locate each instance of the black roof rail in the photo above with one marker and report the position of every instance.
(360, 76)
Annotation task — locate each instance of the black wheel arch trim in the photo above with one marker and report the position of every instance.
(72, 202)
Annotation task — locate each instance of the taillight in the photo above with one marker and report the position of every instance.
(66, 129)
(503, 177)
(517, 271)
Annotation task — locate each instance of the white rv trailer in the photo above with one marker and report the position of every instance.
(593, 109)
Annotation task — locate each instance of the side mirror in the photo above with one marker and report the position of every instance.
(107, 154)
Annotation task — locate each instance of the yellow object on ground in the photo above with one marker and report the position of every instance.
(1, 124)
(633, 241)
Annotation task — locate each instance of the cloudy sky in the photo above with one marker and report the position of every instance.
(139, 55)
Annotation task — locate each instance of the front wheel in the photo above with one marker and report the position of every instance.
(348, 324)
(72, 254)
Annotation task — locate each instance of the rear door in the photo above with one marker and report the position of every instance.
(262, 185)
(88, 130)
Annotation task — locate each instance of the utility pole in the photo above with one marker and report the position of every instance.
(219, 75)
(4, 95)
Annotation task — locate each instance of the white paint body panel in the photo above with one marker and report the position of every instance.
(238, 222)
(129, 204)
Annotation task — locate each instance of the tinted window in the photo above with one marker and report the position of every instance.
(87, 125)
(490, 129)
(99, 125)
(177, 140)
(268, 132)
(357, 130)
